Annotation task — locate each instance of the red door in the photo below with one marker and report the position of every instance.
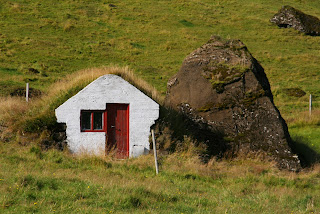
(118, 129)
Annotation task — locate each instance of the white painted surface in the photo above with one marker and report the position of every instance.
(143, 112)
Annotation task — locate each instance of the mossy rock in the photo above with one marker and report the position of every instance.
(225, 92)
(251, 97)
(291, 17)
(222, 74)
(207, 107)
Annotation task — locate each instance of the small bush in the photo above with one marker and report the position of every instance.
(132, 202)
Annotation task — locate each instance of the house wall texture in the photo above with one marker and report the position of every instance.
(143, 112)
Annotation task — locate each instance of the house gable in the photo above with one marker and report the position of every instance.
(143, 112)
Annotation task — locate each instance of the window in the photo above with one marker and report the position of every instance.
(92, 121)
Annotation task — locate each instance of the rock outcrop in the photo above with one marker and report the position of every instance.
(221, 85)
(291, 17)
(57, 139)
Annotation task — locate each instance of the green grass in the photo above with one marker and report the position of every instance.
(56, 38)
(152, 38)
(35, 181)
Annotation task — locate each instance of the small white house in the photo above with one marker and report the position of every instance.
(109, 113)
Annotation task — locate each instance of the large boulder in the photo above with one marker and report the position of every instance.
(221, 85)
(291, 17)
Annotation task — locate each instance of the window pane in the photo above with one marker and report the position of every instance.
(97, 120)
(85, 120)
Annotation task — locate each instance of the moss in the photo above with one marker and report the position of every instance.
(206, 107)
(248, 100)
(224, 105)
(241, 134)
(228, 139)
(251, 97)
(218, 85)
(221, 70)
(240, 49)
(225, 72)
(239, 46)
(239, 138)
(221, 74)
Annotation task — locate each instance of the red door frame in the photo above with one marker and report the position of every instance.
(127, 125)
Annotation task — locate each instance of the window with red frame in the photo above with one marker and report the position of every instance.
(91, 121)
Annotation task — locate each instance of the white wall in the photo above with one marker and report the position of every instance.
(143, 112)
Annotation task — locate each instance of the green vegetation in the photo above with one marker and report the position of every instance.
(56, 38)
(220, 74)
(251, 97)
(36, 181)
(43, 42)
(206, 107)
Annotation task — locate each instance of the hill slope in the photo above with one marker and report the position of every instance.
(42, 41)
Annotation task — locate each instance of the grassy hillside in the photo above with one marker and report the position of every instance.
(42, 41)
(36, 180)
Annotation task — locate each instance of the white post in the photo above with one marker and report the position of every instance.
(310, 104)
(27, 92)
(155, 151)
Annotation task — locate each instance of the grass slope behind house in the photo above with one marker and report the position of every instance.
(42, 41)
(36, 181)
(152, 37)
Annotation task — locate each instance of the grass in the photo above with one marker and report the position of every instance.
(59, 182)
(152, 39)
(54, 46)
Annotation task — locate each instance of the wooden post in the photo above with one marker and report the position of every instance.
(310, 104)
(155, 151)
(27, 92)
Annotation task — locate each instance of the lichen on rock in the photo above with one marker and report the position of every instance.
(222, 86)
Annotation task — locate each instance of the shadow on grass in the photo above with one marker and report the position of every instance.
(307, 155)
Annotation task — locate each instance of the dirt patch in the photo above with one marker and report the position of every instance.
(294, 92)
(21, 92)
